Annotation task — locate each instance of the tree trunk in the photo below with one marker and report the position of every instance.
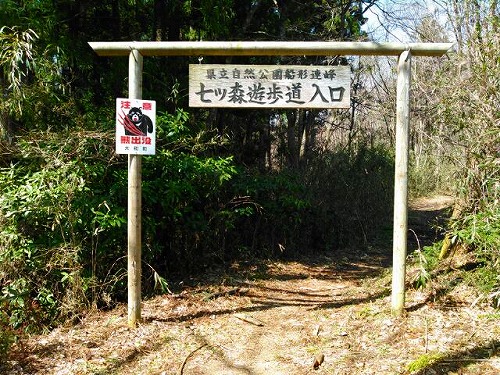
(292, 149)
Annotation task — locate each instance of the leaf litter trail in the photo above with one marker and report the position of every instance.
(277, 317)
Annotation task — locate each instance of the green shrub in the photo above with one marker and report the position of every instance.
(272, 215)
(7, 335)
(62, 214)
(424, 361)
(341, 199)
(352, 192)
(59, 228)
(39, 242)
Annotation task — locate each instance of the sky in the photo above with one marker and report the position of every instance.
(375, 17)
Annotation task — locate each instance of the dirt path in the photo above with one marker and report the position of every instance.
(276, 318)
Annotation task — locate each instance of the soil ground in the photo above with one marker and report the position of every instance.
(279, 317)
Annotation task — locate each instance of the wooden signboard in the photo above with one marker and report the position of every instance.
(269, 86)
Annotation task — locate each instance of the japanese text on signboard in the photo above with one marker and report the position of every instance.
(255, 86)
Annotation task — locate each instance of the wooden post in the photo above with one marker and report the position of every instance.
(134, 203)
(401, 184)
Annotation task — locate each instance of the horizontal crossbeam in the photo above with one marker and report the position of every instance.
(268, 48)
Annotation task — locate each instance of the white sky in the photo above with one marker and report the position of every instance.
(375, 17)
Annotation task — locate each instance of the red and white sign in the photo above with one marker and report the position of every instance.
(135, 126)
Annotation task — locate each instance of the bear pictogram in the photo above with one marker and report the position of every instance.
(137, 123)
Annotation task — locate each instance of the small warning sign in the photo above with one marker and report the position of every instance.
(135, 126)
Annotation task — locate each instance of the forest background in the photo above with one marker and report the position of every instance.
(230, 184)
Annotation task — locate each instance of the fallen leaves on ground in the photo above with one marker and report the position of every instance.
(279, 317)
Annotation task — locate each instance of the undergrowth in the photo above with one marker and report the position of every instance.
(424, 361)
